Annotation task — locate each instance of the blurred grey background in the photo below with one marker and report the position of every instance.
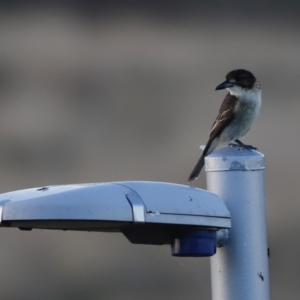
(124, 90)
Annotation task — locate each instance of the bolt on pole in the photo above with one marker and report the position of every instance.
(239, 270)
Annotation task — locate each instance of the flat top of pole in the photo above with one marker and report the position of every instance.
(234, 159)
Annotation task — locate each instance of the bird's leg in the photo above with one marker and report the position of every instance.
(242, 145)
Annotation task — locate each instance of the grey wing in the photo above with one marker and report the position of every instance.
(225, 116)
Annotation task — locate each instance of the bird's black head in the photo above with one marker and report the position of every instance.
(240, 77)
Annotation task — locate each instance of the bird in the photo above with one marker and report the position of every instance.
(239, 110)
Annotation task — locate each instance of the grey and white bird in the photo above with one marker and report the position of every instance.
(237, 114)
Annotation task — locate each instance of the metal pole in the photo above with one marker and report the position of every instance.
(239, 270)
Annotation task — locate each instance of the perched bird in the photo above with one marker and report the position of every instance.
(236, 116)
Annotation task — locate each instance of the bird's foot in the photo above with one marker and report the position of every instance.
(238, 143)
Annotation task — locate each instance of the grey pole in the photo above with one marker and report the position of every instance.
(239, 270)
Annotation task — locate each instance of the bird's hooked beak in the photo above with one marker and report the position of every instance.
(224, 85)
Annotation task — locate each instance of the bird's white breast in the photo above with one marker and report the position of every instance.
(246, 112)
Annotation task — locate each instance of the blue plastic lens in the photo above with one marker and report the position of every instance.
(194, 243)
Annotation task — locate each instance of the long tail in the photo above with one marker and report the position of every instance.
(209, 148)
(196, 171)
